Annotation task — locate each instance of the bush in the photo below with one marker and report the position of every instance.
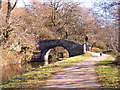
(117, 60)
(27, 57)
(94, 49)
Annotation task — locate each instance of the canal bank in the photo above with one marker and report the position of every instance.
(10, 71)
(37, 76)
(13, 63)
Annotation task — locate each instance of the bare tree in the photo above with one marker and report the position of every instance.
(9, 9)
(63, 16)
(113, 10)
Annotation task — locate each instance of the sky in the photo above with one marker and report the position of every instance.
(86, 3)
(21, 3)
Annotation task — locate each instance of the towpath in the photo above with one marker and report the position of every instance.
(79, 75)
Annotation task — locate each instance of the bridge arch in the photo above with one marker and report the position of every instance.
(73, 48)
(54, 54)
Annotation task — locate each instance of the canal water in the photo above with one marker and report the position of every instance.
(10, 71)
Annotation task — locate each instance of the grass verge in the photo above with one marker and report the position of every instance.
(108, 73)
(37, 77)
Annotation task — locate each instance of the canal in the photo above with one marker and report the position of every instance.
(10, 71)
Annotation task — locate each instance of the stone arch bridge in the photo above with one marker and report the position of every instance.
(73, 48)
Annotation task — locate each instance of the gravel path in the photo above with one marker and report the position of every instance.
(79, 75)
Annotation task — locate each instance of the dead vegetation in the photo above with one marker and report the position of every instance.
(24, 27)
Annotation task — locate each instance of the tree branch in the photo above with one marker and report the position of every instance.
(14, 4)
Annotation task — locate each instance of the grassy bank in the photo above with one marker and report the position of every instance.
(108, 74)
(36, 77)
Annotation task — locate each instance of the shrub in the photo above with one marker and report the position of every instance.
(94, 49)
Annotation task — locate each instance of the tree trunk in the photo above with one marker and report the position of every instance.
(93, 45)
(0, 3)
(9, 9)
(118, 55)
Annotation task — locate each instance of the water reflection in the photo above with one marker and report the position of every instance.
(10, 71)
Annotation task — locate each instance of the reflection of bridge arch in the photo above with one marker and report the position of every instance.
(72, 47)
